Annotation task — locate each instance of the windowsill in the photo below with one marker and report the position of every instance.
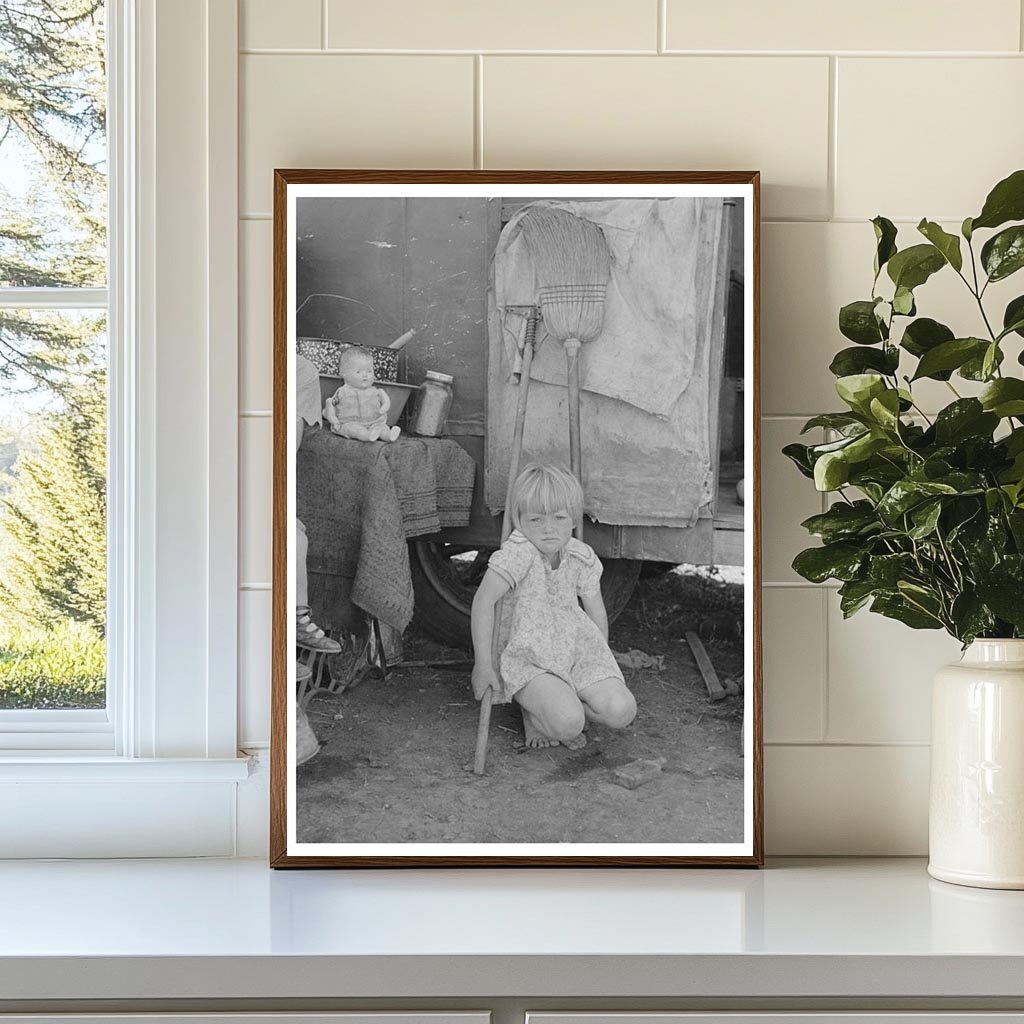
(80, 766)
(816, 929)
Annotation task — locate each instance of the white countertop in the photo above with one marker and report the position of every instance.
(233, 929)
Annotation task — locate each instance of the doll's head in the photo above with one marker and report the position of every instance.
(356, 366)
(545, 503)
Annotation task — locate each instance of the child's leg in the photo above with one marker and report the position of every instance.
(552, 713)
(608, 702)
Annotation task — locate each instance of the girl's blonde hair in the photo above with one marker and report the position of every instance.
(350, 355)
(545, 489)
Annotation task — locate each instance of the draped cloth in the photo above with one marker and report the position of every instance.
(360, 501)
(646, 380)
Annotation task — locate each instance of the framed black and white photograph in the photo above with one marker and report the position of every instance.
(516, 611)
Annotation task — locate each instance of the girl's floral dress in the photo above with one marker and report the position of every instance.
(544, 631)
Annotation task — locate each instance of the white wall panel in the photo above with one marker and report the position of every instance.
(844, 801)
(270, 24)
(687, 113)
(794, 663)
(496, 25)
(359, 111)
(962, 129)
(874, 25)
(256, 299)
(255, 508)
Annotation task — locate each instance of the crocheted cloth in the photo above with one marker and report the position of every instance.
(360, 501)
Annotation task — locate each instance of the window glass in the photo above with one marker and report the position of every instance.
(53, 152)
(53, 387)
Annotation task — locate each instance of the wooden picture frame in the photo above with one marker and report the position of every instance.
(360, 256)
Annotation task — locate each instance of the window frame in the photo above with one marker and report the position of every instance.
(172, 550)
(60, 730)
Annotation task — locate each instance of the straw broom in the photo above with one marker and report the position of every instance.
(572, 267)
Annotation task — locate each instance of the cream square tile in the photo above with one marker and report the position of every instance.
(693, 113)
(787, 499)
(255, 319)
(269, 24)
(808, 272)
(936, 172)
(501, 25)
(254, 611)
(880, 676)
(794, 663)
(355, 111)
(802, 25)
(846, 801)
(255, 509)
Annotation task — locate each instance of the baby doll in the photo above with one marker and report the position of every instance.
(357, 409)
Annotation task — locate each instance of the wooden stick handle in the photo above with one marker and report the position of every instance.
(572, 361)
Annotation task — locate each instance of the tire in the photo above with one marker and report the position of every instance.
(445, 578)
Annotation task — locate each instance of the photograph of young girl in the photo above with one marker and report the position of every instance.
(516, 613)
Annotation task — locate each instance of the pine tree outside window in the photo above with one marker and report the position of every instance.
(53, 362)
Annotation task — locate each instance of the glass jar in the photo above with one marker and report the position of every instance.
(433, 400)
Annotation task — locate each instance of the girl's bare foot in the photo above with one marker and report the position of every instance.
(578, 743)
(535, 739)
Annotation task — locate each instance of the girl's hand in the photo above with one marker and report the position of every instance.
(484, 676)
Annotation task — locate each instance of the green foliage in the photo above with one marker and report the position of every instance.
(60, 667)
(927, 525)
(53, 521)
(52, 124)
(52, 234)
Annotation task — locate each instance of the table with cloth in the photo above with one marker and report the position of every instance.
(360, 501)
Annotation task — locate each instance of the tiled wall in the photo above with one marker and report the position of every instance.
(906, 109)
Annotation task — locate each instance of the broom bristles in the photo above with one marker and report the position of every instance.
(572, 265)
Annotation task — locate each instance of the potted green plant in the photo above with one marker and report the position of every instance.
(927, 521)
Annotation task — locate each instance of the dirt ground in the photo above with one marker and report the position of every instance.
(395, 760)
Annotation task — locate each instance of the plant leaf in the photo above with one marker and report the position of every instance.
(1004, 397)
(970, 617)
(833, 420)
(1005, 202)
(1013, 317)
(912, 267)
(885, 409)
(832, 561)
(949, 355)
(974, 368)
(898, 608)
(885, 236)
(925, 518)
(857, 321)
(799, 455)
(991, 360)
(858, 389)
(1003, 254)
(1003, 596)
(947, 244)
(966, 417)
(906, 494)
(831, 471)
(923, 335)
(903, 302)
(842, 521)
(849, 361)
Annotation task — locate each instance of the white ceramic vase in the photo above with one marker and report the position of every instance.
(976, 812)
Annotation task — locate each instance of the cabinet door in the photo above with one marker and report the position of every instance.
(785, 1017)
(361, 1017)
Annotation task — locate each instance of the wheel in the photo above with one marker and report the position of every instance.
(445, 578)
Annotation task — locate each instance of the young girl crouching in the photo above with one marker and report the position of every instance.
(555, 660)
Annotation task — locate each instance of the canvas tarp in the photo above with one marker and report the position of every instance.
(646, 380)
